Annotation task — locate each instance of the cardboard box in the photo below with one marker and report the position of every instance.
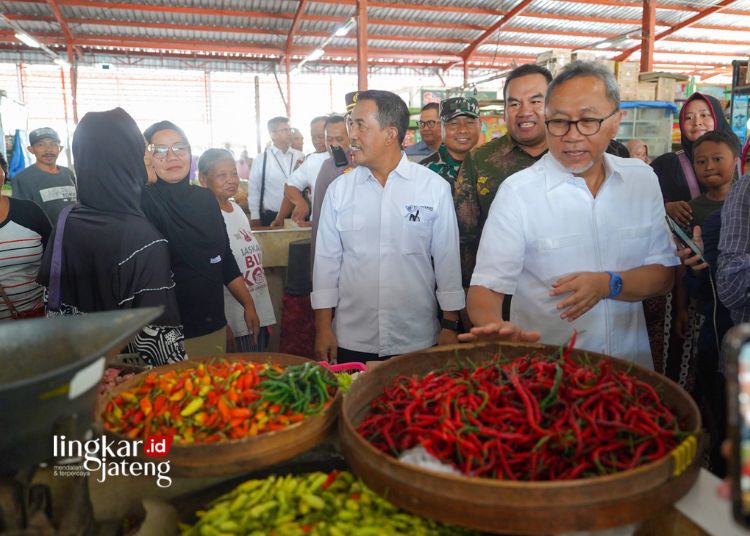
(555, 55)
(646, 91)
(609, 64)
(628, 90)
(583, 56)
(665, 89)
(627, 70)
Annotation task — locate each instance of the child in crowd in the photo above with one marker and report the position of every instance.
(715, 160)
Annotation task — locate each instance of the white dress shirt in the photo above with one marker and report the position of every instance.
(376, 247)
(544, 223)
(304, 176)
(279, 167)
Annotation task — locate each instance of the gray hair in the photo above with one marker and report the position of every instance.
(578, 69)
(210, 158)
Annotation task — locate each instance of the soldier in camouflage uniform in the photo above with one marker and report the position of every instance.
(486, 167)
(460, 122)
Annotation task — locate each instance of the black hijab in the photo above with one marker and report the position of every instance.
(667, 167)
(108, 152)
(187, 215)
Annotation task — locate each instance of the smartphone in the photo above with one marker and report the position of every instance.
(683, 237)
(737, 353)
(339, 156)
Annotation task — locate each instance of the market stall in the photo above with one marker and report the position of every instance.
(251, 448)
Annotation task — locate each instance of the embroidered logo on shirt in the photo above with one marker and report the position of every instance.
(413, 212)
(215, 260)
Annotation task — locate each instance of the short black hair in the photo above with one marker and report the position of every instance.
(525, 70)
(431, 106)
(719, 136)
(392, 110)
(318, 119)
(4, 164)
(334, 119)
(274, 122)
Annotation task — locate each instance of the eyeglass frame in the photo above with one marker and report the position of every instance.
(570, 123)
(151, 148)
(430, 123)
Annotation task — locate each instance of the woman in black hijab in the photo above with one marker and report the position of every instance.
(672, 337)
(202, 260)
(110, 255)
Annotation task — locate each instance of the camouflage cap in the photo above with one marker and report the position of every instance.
(455, 106)
(351, 100)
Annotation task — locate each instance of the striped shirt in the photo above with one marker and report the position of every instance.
(23, 235)
(733, 274)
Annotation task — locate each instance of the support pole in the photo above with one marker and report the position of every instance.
(207, 105)
(648, 30)
(73, 61)
(257, 114)
(65, 113)
(362, 45)
(287, 64)
(466, 74)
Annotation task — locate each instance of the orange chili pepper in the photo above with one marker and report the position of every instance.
(241, 413)
(224, 410)
(145, 404)
(189, 385)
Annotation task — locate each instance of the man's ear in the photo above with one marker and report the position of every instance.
(202, 180)
(392, 135)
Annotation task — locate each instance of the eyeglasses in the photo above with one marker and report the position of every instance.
(283, 130)
(586, 127)
(429, 124)
(160, 151)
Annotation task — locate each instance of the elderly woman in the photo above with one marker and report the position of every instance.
(24, 230)
(217, 172)
(202, 261)
(104, 253)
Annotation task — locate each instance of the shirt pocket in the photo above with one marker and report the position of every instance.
(350, 225)
(416, 231)
(557, 256)
(633, 243)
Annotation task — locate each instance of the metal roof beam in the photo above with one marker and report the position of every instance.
(505, 19)
(687, 22)
(295, 25)
(60, 20)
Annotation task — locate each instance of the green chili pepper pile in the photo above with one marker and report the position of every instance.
(316, 504)
(301, 388)
(533, 418)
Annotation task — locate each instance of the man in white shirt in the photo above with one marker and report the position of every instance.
(387, 239)
(265, 189)
(579, 238)
(305, 175)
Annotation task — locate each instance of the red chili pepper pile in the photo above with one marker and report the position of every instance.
(219, 400)
(533, 418)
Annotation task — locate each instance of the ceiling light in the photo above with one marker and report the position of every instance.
(346, 28)
(61, 62)
(27, 40)
(604, 44)
(316, 54)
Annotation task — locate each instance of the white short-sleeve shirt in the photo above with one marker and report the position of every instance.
(306, 174)
(380, 255)
(544, 224)
(279, 167)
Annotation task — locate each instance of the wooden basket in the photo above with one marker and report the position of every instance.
(234, 457)
(500, 506)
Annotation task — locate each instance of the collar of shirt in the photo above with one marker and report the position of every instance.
(446, 157)
(282, 153)
(556, 174)
(509, 145)
(402, 170)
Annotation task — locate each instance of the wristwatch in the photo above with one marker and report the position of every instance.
(615, 285)
(453, 325)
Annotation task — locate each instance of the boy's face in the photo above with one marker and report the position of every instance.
(714, 164)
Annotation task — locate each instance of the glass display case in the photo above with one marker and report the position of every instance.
(649, 121)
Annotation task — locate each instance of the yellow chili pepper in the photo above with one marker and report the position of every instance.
(194, 405)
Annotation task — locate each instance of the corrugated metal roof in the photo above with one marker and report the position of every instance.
(430, 27)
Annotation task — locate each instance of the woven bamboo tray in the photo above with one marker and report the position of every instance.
(518, 507)
(240, 456)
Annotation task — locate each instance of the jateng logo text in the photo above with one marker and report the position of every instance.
(103, 457)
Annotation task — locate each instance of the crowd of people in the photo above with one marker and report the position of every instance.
(551, 228)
